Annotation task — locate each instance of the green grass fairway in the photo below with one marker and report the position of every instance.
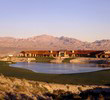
(99, 77)
(67, 60)
(44, 59)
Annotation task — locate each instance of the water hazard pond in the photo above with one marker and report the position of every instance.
(52, 68)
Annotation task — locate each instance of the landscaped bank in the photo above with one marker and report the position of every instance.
(99, 77)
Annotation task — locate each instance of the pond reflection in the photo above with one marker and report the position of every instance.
(53, 68)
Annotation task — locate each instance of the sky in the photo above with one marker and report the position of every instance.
(86, 20)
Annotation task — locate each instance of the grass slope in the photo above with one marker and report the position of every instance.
(44, 59)
(99, 77)
(67, 60)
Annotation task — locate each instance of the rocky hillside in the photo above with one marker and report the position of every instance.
(9, 45)
(20, 89)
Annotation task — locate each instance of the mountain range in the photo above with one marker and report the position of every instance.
(10, 45)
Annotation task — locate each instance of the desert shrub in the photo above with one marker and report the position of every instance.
(2, 97)
(20, 88)
(80, 89)
(60, 95)
(14, 96)
(2, 88)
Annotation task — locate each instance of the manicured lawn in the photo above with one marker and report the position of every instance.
(44, 59)
(99, 77)
(67, 60)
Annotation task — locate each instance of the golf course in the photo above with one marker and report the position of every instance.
(88, 78)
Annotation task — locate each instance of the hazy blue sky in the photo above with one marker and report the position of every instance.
(86, 20)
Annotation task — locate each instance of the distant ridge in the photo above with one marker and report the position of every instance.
(10, 45)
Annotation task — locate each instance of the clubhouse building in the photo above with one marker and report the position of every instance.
(66, 53)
